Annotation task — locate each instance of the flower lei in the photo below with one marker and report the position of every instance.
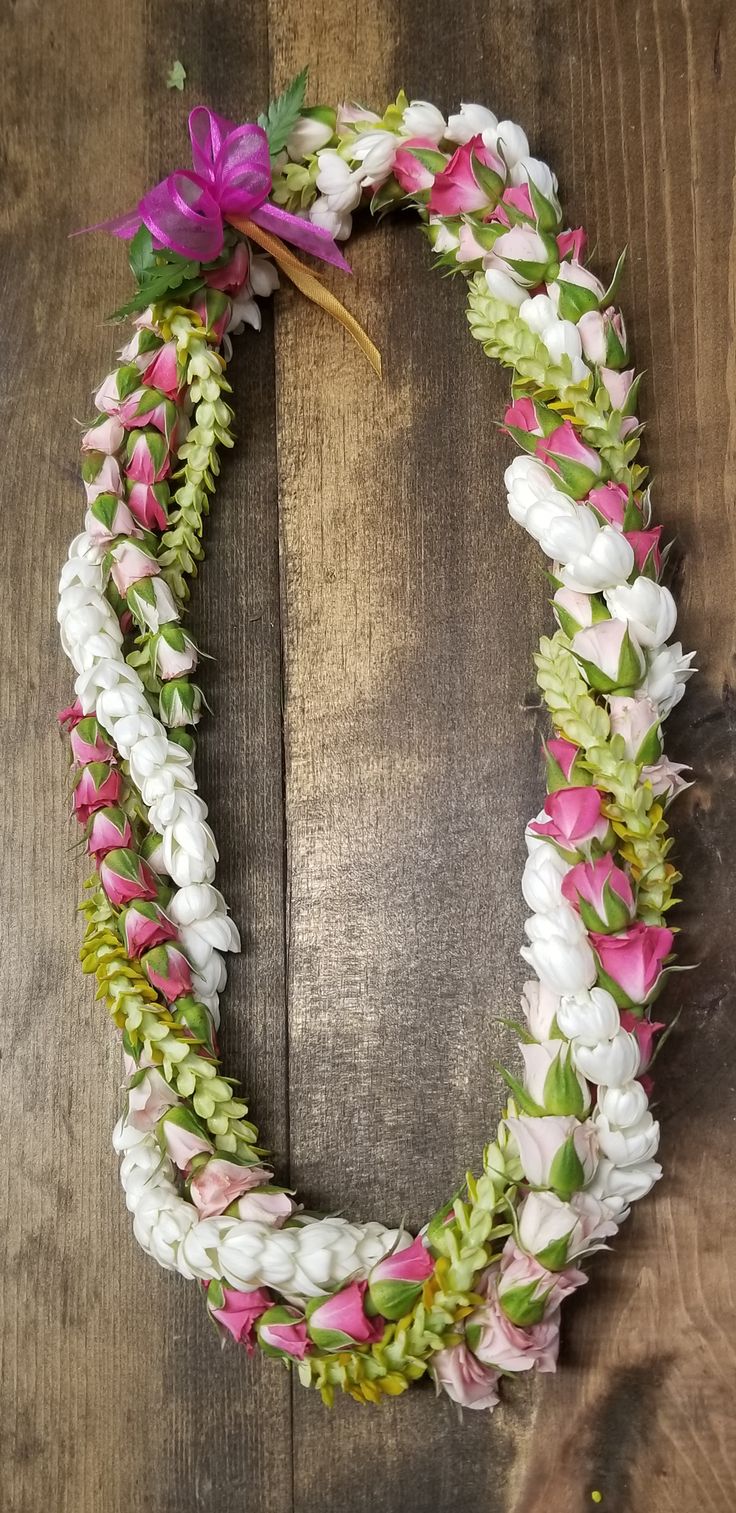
(357, 1306)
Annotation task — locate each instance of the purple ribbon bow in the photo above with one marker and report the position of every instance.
(231, 177)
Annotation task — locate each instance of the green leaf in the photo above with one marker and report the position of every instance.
(283, 113)
(176, 77)
(141, 257)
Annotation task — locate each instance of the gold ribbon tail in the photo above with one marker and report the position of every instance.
(308, 283)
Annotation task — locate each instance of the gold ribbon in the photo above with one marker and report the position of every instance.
(308, 283)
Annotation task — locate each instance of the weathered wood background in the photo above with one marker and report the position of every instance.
(365, 584)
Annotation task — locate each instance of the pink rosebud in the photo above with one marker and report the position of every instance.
(601, 893)
(147, 407)
(107, 517)
(637, 722)
(161, 371)
(516, 198)
(464, 1378)
(574, 610)
(149, 1098)
(609, 500)
(175, 653)
(565, 453)
(168, 970)
(409, 171)
(266, 1205)
(214, 310)
(239, 1311)
(144, 925)
(340, 1321)
(397, 1280)
(527, 1291)
(631, 964)
(574, 819)
(556, 1151)
(665, 778)
(522, 416)
(147, 457)
(89, 742)
(609, 656)
(148, 502)
(106, 436)
(219, 1182)
(497, 1342)
(646, 549)
(572, 244)
(617, 385)
(525, 253)
(130, 563)
(456, 189)
(98, 784)
(283, 1331)
(603, 337)
(182, 1138)
(645, 1031)
(102, 477)
(469, 249)
(109, 830)
(124, 876)
(231, 277)
(70, 716)
(564, 754)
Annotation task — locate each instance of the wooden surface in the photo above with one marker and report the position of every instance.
(363, 578)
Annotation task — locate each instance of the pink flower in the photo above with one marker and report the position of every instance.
(240, 1311)
(522, 415)
(525, 253)
(148, 502)
(519, 199)
(106, 436)
(282, 1331)
(564, 753)
(109, 830)
(233, 274)
(70, 717)
(266, 1206)
(108, 517)
(645, 1031)
(637, 722)
(396, 1281)
(506, 1347)
(168, 970)
(645, 545)
(219, 1182)
(182, 1138)
(339, 1321)
(555, 1151)
(409, 172)
(617, 385)
(161, 371)
(97, 786)
(144, 925)
(601, 893)
(214, 310)
(464, 1378)
(574, 610)
(572, 244)
(610, 656)
(124, 876)
(149, 1097)
(665, 778)
(175, 653)
(131, 563)
(610, 500)
(574, 818)
(527, 1291)
(147, 457)
(556, 1232)
(89, 743)
(603, 337)
(564, 447)
(456, 189)
(146, 407)
(102, 477)
(631, 964)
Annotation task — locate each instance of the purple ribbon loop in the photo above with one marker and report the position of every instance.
(231, 177)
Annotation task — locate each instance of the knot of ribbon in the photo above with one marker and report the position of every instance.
(230, 182)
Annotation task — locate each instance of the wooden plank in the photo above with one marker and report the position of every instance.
(411, 610)
(115, 1393)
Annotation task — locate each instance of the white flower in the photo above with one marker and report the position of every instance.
(307, 137)
(559, 952)
(539, 1006)
(201, 913)
(511, 142)
(443, 239)
(544, 1220)
(132, 729)
(375, 151)
(538, 312)
(190, 852)
(668, 670)
(470, 121)
(211, 977)
(552, 1056)
(649, 609)
(148, 756)
(120, 703)
(528, 483)
(180, 803)
(589, 1017)
(622, 1106)
(630, 1146)
(563, 340)
(503, 287)
(542, 879)
(176, 771)
(263, 275)
(339, 223)
(611, 1062)
(337, 181)
(603, 560)
(421, 119)
(627, 1184)
(528, 170)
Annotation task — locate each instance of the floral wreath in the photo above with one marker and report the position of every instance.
(477, 1294)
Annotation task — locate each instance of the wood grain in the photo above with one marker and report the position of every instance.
(364, 575)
